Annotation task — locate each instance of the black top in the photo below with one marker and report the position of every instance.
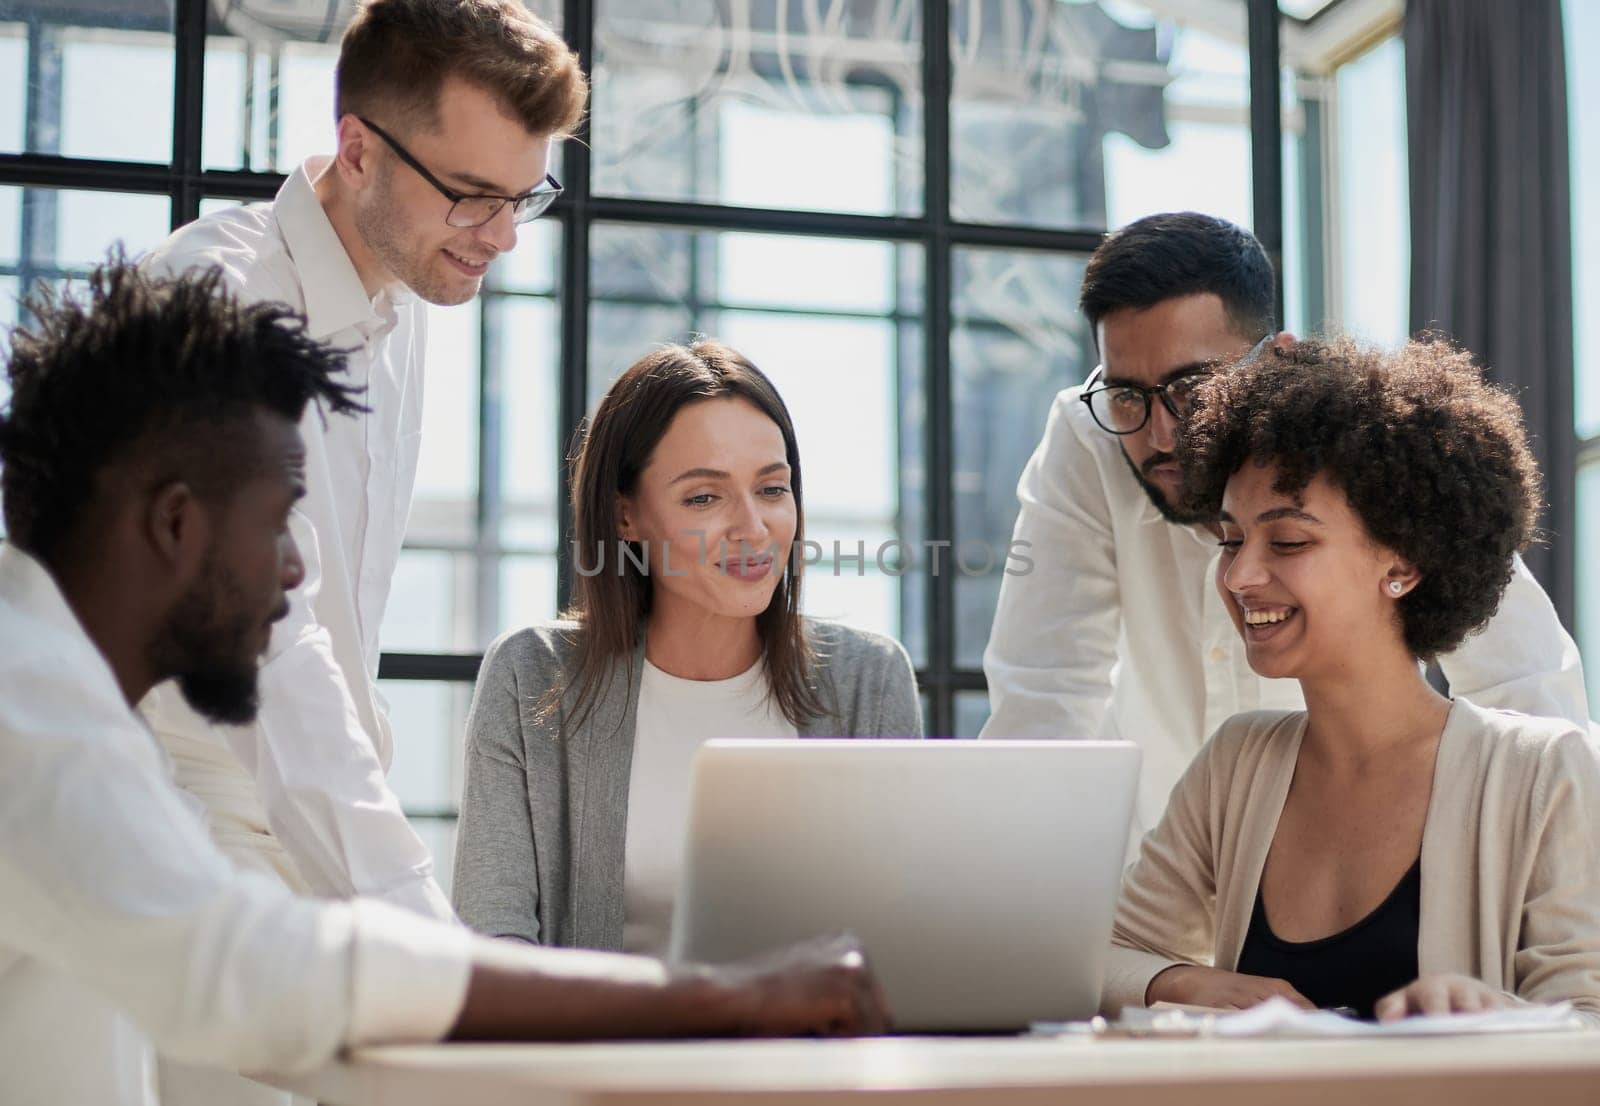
(1355, 967)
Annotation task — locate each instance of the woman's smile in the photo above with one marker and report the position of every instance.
(748, 569)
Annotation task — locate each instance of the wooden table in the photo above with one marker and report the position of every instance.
(1547, 1069)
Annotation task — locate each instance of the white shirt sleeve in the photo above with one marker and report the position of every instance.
(107, 877)
(1523, 660)
(1054, 640)
(317, 765)
(318, 774)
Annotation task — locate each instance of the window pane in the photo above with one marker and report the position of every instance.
(836, 325)
(1305, 222)
(526, 340)
(11, 226)
(431, 605)
(1374, 198)
(1092, 115)
(444, 507)
(13, 85)
(88, 223)
(640, 281)
(48, 233)
(641, 263)
(765, 270)
(621, 332)
(1017, 340)
(972, 711)
(692, 104)
(269, 85)
(269, 80)
(84, 57)
(138, 66)
(1589, 580)
(527, 590)
(1583, 91)
(429, 718)
(305, 90)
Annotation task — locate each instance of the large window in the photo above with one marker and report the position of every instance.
(769, 173)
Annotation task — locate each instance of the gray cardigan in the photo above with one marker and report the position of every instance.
(544, 816)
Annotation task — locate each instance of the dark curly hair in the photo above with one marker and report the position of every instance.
(1181, 253)
(161, 373)
(1433, 459)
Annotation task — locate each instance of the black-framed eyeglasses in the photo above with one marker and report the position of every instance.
(473, 209)
(1125, 408)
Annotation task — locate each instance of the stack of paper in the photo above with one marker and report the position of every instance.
(1278, 1017)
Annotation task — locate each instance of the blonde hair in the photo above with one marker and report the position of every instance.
(397, 54)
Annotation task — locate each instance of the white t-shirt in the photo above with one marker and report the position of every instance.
(675, 717)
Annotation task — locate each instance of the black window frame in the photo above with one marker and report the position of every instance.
(186, 181)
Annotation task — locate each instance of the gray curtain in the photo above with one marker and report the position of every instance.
(1491, 221)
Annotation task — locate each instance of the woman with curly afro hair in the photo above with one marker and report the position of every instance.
(1387, 849)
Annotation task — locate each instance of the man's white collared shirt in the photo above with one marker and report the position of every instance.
(1118, 632)
(302, 791)
(124, 929)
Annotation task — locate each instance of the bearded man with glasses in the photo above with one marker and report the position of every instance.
(446, 115)
(1117, 631)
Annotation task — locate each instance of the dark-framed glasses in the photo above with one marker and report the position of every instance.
(474, 209)
(1125, 408)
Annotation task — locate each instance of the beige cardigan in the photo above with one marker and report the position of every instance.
(1510, 857)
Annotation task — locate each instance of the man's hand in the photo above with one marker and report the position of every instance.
(1194, 985)
(820, 988)
(1442, 994)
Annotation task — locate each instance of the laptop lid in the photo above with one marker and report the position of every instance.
(981, 876)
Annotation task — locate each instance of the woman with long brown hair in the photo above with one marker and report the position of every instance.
(685, 626)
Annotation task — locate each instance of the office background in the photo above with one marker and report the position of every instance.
(770, 172)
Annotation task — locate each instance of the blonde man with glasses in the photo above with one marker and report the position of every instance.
(446, 112)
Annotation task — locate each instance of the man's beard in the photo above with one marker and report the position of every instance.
(392, 245)
(208, 647)
(1169, 511)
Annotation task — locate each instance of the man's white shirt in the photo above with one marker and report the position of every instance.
(123, 928)
(1118, 632)
(302, 791)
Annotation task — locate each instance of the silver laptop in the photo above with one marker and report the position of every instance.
(981, 876)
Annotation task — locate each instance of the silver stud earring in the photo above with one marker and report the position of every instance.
(1396, 587)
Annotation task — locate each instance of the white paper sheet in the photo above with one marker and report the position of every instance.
(1278, 1018)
